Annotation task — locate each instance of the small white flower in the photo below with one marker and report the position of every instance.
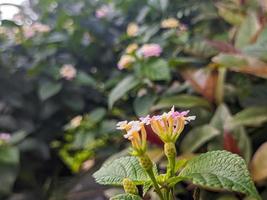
(121, 125)
(189, 118)
(145, 120)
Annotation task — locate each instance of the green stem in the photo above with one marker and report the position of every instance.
(165, 194)
(171, 194)
(220, 86)
(170, 152)
(156, 186)
(171, 166)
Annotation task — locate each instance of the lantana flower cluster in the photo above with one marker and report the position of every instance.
(103, 11)
(132, 52)
(68, 72)
(167, 126)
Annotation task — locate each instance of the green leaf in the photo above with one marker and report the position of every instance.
(220, 121)
(164, 4)
(156, 70)
(143, 104)
(253, 116)
(262, 39)
(121, 89)
(220, 117)
(160, 5)
(9, 161)
(230, 60)
(49, 89)
(83, 78)
(181, 61)
(229, 15)
(126, 197)
(181, 101)
(8, 23)
(197, 137)
(179, 164)
(146, 187)
(249, 28)
(220, 170)
(113, 173)
(257, 50)
(17, 137)
(243, 142)
(97, 115)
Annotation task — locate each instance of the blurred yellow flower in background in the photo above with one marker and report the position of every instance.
(76, 121)
(125, 61)
(131, 48)
(132, 29)
(170, 23)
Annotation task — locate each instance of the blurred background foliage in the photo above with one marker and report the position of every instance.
(61, 91)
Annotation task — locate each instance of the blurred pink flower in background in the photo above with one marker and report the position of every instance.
(42, 28)
(30, 31)
(102, 12)
(68, 72)
(5, 137)
(150, 50)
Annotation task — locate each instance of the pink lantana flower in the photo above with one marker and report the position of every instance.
(150, 50)
(169, 126)
(102, 12)
(5, 137)
(68, 72)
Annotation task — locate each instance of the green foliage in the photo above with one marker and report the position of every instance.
(126, 197)
(121, 89)
(181, 101)
(156, 70)
(220, 170)
(143, 104)
(113, 172)
(248, 29)
(84, 137)
(229, 60)
(48, 90)
(197, 137)
(253, 116)
(37, 103)
(9, 166)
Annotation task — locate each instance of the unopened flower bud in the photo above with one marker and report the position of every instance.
(129, 186)
(145, 162)
(170, 150)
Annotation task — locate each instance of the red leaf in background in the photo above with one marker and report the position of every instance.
(204, 81)
(260, 71)
(229, 143)
(223, 46)
(152, 137)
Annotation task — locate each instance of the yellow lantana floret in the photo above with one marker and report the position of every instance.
(170, 23)
(131, 48)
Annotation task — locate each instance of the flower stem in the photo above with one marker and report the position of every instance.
(153, 178)
(171, 166)
(170, 152)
